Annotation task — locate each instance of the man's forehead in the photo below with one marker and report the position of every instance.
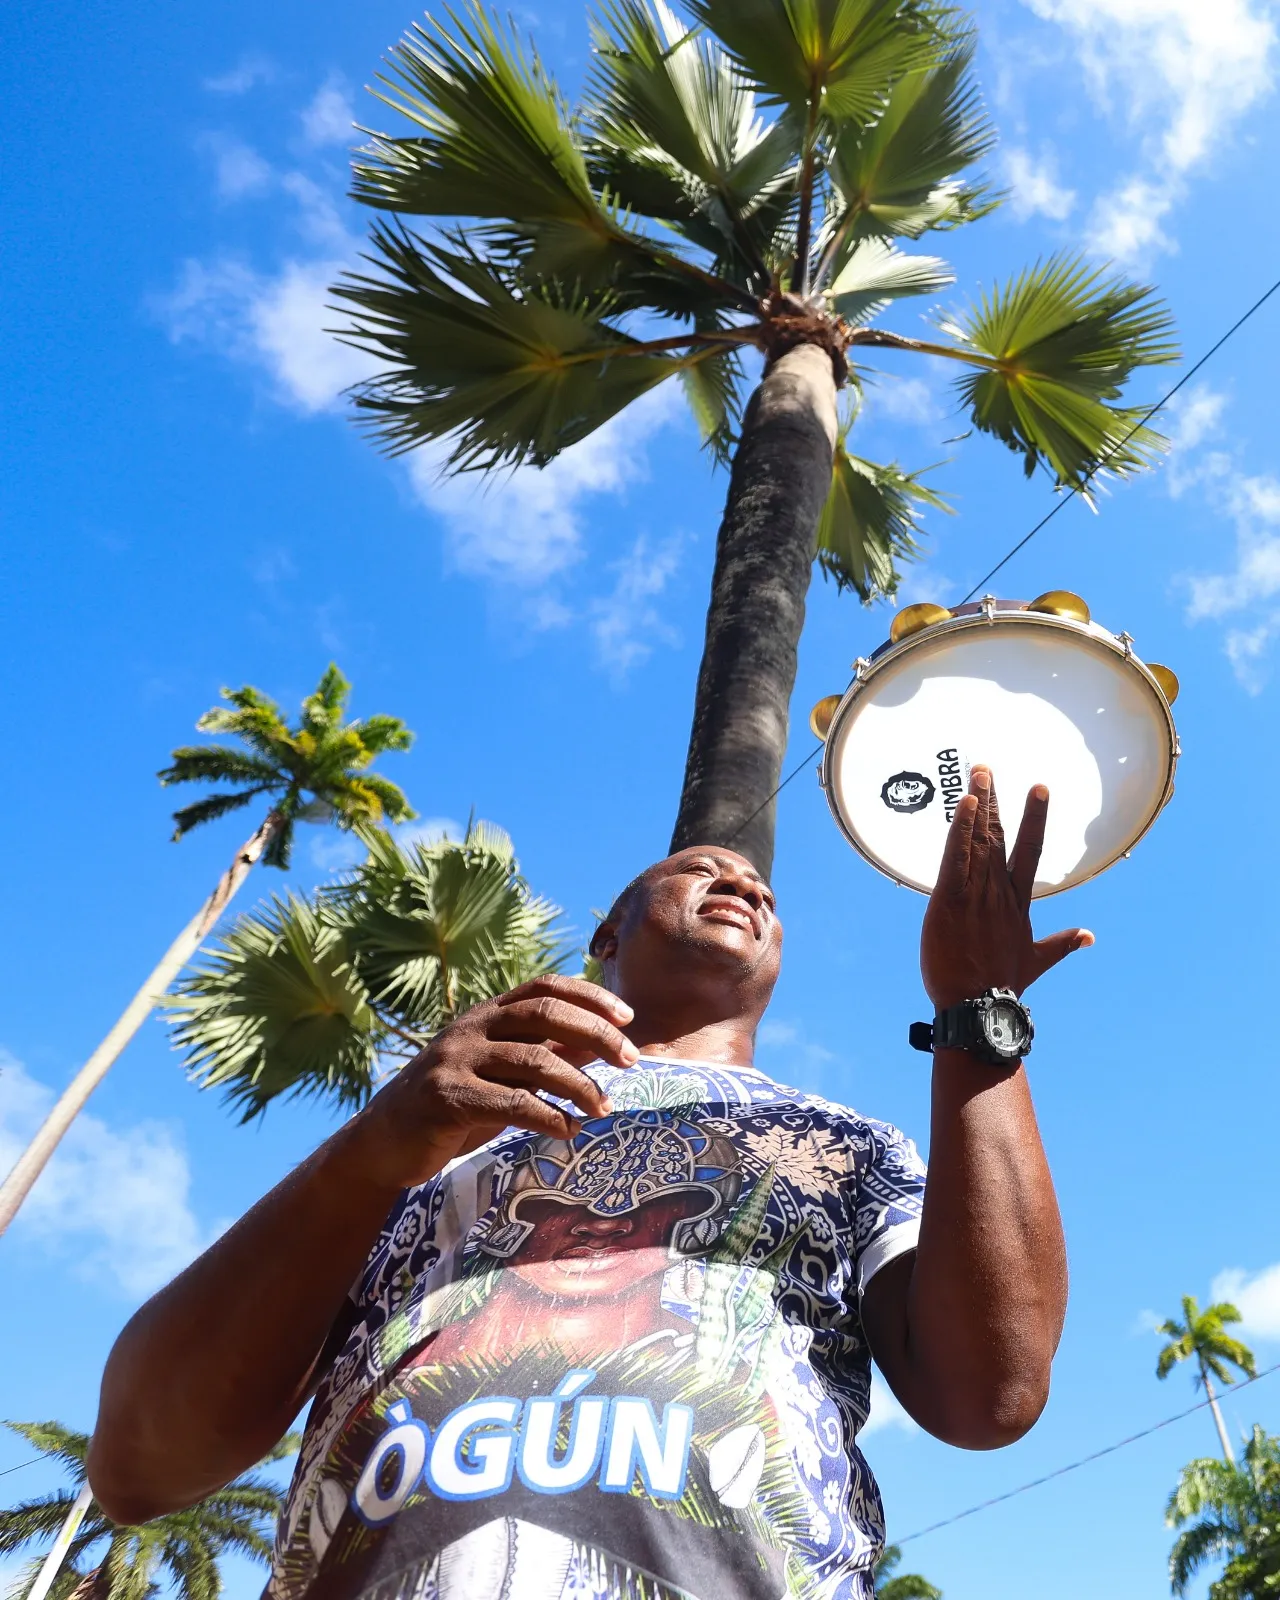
(719, 854)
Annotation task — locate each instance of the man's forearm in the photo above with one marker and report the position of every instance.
(208, 1375)
(968, 1347)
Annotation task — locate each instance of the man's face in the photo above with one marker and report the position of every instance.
(701, 919)
(572, 1254)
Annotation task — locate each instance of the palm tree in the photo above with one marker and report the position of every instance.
(316, 772)
(1229, 1511)
(906, 1585)
(1201, 1336)
(107, 1561)
(317, 996)
(725, 191)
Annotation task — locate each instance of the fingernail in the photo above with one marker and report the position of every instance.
(630, 1054)
(1040, 792)
(623, 1010)
(606, 1106)
(1083, 940)
(981, 778)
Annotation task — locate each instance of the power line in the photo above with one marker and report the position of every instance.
(22, 1464)
(1078, 488)
(794, 773)
(1084, 1461)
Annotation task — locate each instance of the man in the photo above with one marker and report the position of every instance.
(587, 1304)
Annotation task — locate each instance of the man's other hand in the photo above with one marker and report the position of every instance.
(977, 929)
(489, 1070)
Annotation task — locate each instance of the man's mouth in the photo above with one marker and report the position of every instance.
(735, 912)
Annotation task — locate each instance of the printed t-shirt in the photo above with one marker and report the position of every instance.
(629, 1366)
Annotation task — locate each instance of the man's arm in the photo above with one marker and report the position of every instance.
(209, 1373)
(965, 1327)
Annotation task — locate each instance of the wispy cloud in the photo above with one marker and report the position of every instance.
(239, 171)
(1255, 1295)
(1035, 187)
(628, 622)
(114, 1203)
(250, 71)
(329, 117)
(1179, 74)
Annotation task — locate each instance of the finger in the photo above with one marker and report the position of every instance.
(548, 1018)
(532, 1066)
(1046, 953)
(511, 1105)
(953, 875)
(979, 850)
(578, 991)
(995, 828)
(1025, 861)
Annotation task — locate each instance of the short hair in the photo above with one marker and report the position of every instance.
(617, 910)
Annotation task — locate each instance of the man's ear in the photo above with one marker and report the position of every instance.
(604, 943)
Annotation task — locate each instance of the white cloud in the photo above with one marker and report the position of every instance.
(430, 830)
(329, 117)
(903, 400)
(886, 1410)
(526, 526)
(332, 850)
(248, 73)
(1037, 188)
(1182, 72)
(626, 623)
(113, 1203)
(239, 171)
(1256, 1296)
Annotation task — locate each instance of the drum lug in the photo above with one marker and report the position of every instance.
(1126, 639)
(989, 607)
(859, 668)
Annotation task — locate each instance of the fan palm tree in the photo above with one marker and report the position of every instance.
(1229, 1511)
(317, 996)
(315, 772)
(107, 1561)
(903, 1586)
(733, 186)
(1201, 1337)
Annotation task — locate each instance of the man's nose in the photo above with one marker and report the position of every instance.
(737, 883)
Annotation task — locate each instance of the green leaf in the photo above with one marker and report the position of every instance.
(505, 373)
(713, 384)
(870, 522)
(875, 274)
(1057, 345)
(278, 1008)
(899, 174)
(841, 56)
(211, 808)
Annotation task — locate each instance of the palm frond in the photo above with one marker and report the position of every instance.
(216, 763)
(1195, 1547)
(378, 734)
(838, 56)
(714, 385)
(1055, 348)
(875, 273)
(504, 373)
(212, 807)
(278, 1008)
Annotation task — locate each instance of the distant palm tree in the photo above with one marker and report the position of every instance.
(315, 996)
(734, 184)
(1202, 1337)
(107, 1561)
(1232, 1512)
(906, 1585)
(316, 772)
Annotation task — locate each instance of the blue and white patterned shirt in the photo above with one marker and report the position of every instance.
(629, 1366)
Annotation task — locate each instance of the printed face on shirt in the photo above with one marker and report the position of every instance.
(573, 1254)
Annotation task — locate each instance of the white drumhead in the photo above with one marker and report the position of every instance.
(1036, 701)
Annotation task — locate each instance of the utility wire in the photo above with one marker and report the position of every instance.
(1044, 521)
(22, 1464)
(1074, 1465)
(1078, 488)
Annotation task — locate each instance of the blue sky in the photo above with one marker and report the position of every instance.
(186, 504)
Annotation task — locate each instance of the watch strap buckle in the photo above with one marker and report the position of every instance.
(920, 1036)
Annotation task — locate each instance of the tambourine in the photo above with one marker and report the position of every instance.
(1038, 692)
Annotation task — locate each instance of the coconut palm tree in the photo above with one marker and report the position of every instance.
(733, 186)
(317, 771)
(107, 1561)
(903, 1586)
(1202, 1337)
(1232, 1512)
(318, 996)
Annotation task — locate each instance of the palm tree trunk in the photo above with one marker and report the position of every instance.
(764, 560)
(31, 1163)
(58, 1551)
(1228, 1453)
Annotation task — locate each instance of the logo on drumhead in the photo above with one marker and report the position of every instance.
(907, 791)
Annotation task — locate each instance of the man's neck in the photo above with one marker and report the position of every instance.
(730, 1043)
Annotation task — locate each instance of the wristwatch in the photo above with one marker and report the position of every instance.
(996, 1028)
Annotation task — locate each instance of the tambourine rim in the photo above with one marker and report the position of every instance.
(868, 669)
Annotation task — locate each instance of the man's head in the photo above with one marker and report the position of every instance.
(696, 934)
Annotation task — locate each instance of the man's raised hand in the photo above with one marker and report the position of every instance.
(977, 929)
(490, 1069)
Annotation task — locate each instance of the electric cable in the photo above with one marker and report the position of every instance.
(1048, 517)
(1073, 1466)
(22, 1464)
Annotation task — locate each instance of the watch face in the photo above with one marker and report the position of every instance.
(1005, 1027)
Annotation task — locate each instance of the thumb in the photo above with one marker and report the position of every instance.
(1057, 947)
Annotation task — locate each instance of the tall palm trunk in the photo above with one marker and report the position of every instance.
(31, 1163)
(1228, 1454)
(764, 559)
(58, 1552)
